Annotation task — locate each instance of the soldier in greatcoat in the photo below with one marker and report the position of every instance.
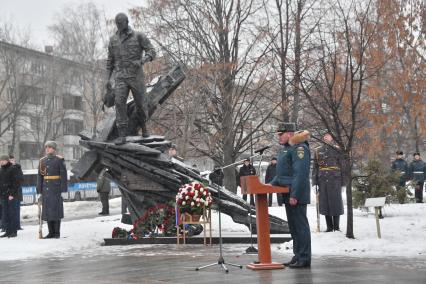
(401, 166)
(327, 174)
(51, 182)
(417, 171)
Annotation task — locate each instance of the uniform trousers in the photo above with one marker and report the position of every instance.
(9, 215)
(419, 192)
(300, 232)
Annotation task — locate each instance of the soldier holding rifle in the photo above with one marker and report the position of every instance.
(51, 182)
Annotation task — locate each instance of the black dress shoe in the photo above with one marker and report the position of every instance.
(4, 235)
(48, 236)
(300, 265)
(103, 213)
(12, 235)
(292, 261)
(329, 230)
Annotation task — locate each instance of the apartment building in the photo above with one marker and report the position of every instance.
(45, 97)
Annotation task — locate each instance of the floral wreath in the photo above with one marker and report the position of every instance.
(158, 220)
(193, 198)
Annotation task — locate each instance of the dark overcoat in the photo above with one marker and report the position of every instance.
(417, 170)
(271, 171)
(217, 177)
(51, 182)
(246, 171)
(20, 180)
(103, 185)
(327, 174)
(401, 166)
(9, 181)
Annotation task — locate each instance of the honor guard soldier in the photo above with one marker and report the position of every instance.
(293, 166)
(417, 171)
(51, 182)
(401, 166)
(327, 175)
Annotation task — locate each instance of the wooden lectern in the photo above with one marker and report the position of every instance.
(252, 185)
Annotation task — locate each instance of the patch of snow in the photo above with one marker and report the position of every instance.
(403, 233)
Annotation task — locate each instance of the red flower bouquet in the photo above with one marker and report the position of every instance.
(193, 198)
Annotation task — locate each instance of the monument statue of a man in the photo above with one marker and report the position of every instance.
(128, 50)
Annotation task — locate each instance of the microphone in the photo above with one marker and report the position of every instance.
(261, 150)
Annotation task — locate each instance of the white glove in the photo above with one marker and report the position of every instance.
(38, 196)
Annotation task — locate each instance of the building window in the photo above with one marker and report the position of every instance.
(72, 127)
(9, 122)
(35, 123)
(37, 68)
(29, 150)
(56, 128)
(56, 103)
(77, 152)
(32, 94)
(72, 102)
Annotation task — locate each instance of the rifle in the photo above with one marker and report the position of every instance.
(317, 207)
(40, 221)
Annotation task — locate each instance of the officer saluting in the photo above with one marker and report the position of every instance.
(51, 182)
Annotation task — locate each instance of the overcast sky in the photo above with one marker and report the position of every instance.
(38, 14)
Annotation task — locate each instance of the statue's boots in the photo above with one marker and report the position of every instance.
(122, 133)
(145, 132)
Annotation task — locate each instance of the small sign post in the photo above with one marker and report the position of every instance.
(376, 203)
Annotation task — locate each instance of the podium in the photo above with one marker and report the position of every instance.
(252, 185)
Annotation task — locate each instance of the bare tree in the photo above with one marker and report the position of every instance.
(81, 34)
(334, 87)
(228, 75)
(16, 79)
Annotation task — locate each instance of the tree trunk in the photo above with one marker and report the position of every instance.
(297, 51)
(349, 209)
(284, 36)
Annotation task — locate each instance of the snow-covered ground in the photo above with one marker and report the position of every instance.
(403, 233)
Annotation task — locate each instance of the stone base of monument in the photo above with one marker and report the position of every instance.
(194, 240)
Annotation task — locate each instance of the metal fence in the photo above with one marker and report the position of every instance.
(76, 192)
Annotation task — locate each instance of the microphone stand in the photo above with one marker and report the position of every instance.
(221, 260)
(251, 249)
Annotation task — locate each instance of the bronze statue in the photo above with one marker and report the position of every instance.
(128, 51)
(142, 169)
